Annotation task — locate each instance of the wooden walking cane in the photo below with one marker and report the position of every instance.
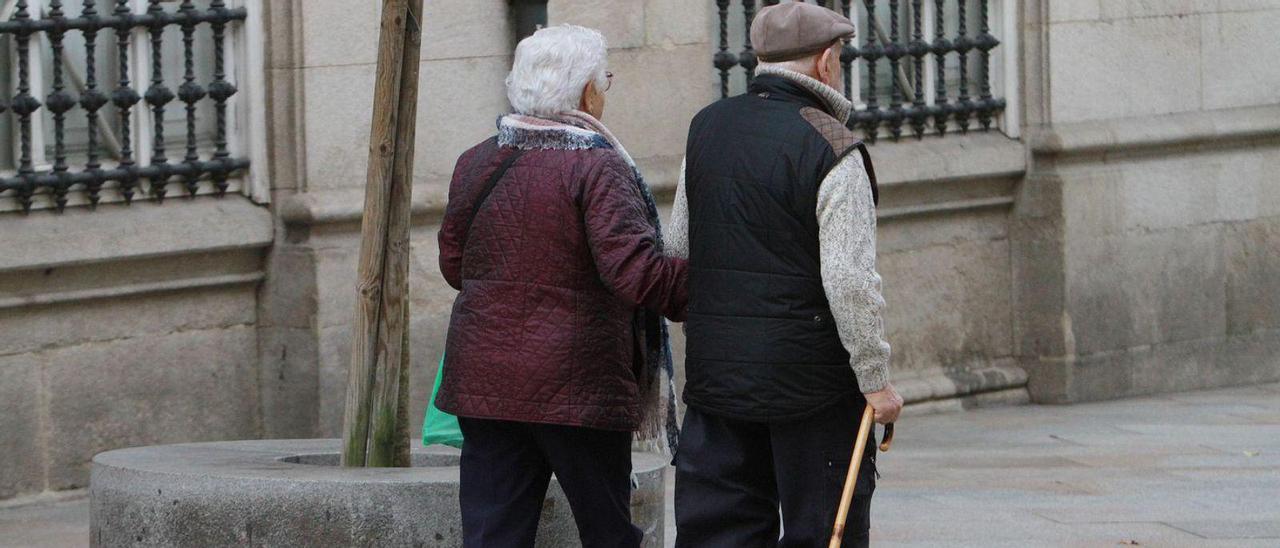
(850, 481)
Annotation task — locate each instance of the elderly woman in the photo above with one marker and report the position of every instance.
(556, 342)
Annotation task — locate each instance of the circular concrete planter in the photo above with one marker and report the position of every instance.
(292, 493)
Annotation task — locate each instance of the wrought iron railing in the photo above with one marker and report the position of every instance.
(125, 148)
(916, 66)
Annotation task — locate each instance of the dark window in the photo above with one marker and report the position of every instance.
(528, 16)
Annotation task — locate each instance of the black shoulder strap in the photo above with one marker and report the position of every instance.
(861, 147)
(871, 172)
(488, 189)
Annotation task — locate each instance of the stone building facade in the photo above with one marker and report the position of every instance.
(1116, 233)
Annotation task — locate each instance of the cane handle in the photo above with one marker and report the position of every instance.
(888, 438)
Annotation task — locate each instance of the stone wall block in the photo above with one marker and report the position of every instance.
(1171, 367)
(1170, 192)
(332, 365)
(677, 22)
(1190, 274)
(288, 298)
(1233, 6)
(283, 21)
(1124, 68)
(1248, 359)
(336, 269)
(925, 231)
(457, 109)
(458, 103)
(1268, 191)
(653, 98)
(1097, 205)
(1238, 54)
(1042, 332)
(1103, 376)
(337, 124)
(948, 305)
(285, 141)
(20, 426)
(338, 32)
(1075, 10)
(29, 329)
(146, 229)
(1253, 275)
(467, 28)
(290, 382)
(166, 388)
(1240, 178)
(1177, 367)
(621, 22)
(1108, 306)
(1142, 289)
(1133, 9)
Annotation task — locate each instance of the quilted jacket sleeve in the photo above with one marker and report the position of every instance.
(624, 244)
(453, 226)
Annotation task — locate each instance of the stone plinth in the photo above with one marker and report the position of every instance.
(291, 493)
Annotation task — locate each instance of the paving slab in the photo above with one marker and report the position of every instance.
(1231, 529)
(60, 524)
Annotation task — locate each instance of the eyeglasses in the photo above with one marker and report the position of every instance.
(608, 81)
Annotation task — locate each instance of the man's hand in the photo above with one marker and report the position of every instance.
(886, 403)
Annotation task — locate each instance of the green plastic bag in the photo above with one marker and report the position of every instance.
(440, 427)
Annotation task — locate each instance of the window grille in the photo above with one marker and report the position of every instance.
(113, 100)
(917, 67)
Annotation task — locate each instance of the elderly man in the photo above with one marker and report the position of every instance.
(776, 213)
(556, 342)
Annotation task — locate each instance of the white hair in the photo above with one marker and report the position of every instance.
(552, 67)
(803, 65)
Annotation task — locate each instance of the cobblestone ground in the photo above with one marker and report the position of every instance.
(1192, 469)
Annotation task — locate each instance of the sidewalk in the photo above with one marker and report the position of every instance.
(1193, 469)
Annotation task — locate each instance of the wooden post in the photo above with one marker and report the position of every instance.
(378, 381)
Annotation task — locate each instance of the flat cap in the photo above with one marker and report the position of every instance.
(783, 32)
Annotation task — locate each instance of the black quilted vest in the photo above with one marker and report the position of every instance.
(762, 344)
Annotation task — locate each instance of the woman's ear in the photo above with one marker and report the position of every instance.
(584, 104)
(592, 100)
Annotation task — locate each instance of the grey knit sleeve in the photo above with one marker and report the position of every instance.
(847, 245)
(677, 236)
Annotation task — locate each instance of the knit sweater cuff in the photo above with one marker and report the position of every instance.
(872, 379)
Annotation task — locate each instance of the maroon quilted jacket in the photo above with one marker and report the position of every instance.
(559, 257)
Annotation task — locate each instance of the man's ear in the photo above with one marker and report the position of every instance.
(824, 62)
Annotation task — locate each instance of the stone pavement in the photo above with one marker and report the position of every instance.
(1192, 469)
(55, 523)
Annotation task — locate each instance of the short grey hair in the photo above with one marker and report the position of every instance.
(552, 66)
(803, 65)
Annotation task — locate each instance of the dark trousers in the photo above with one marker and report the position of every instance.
(733, 476)
(506, 468)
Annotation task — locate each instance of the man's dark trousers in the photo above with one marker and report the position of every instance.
(506, 467)
(732, 476)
